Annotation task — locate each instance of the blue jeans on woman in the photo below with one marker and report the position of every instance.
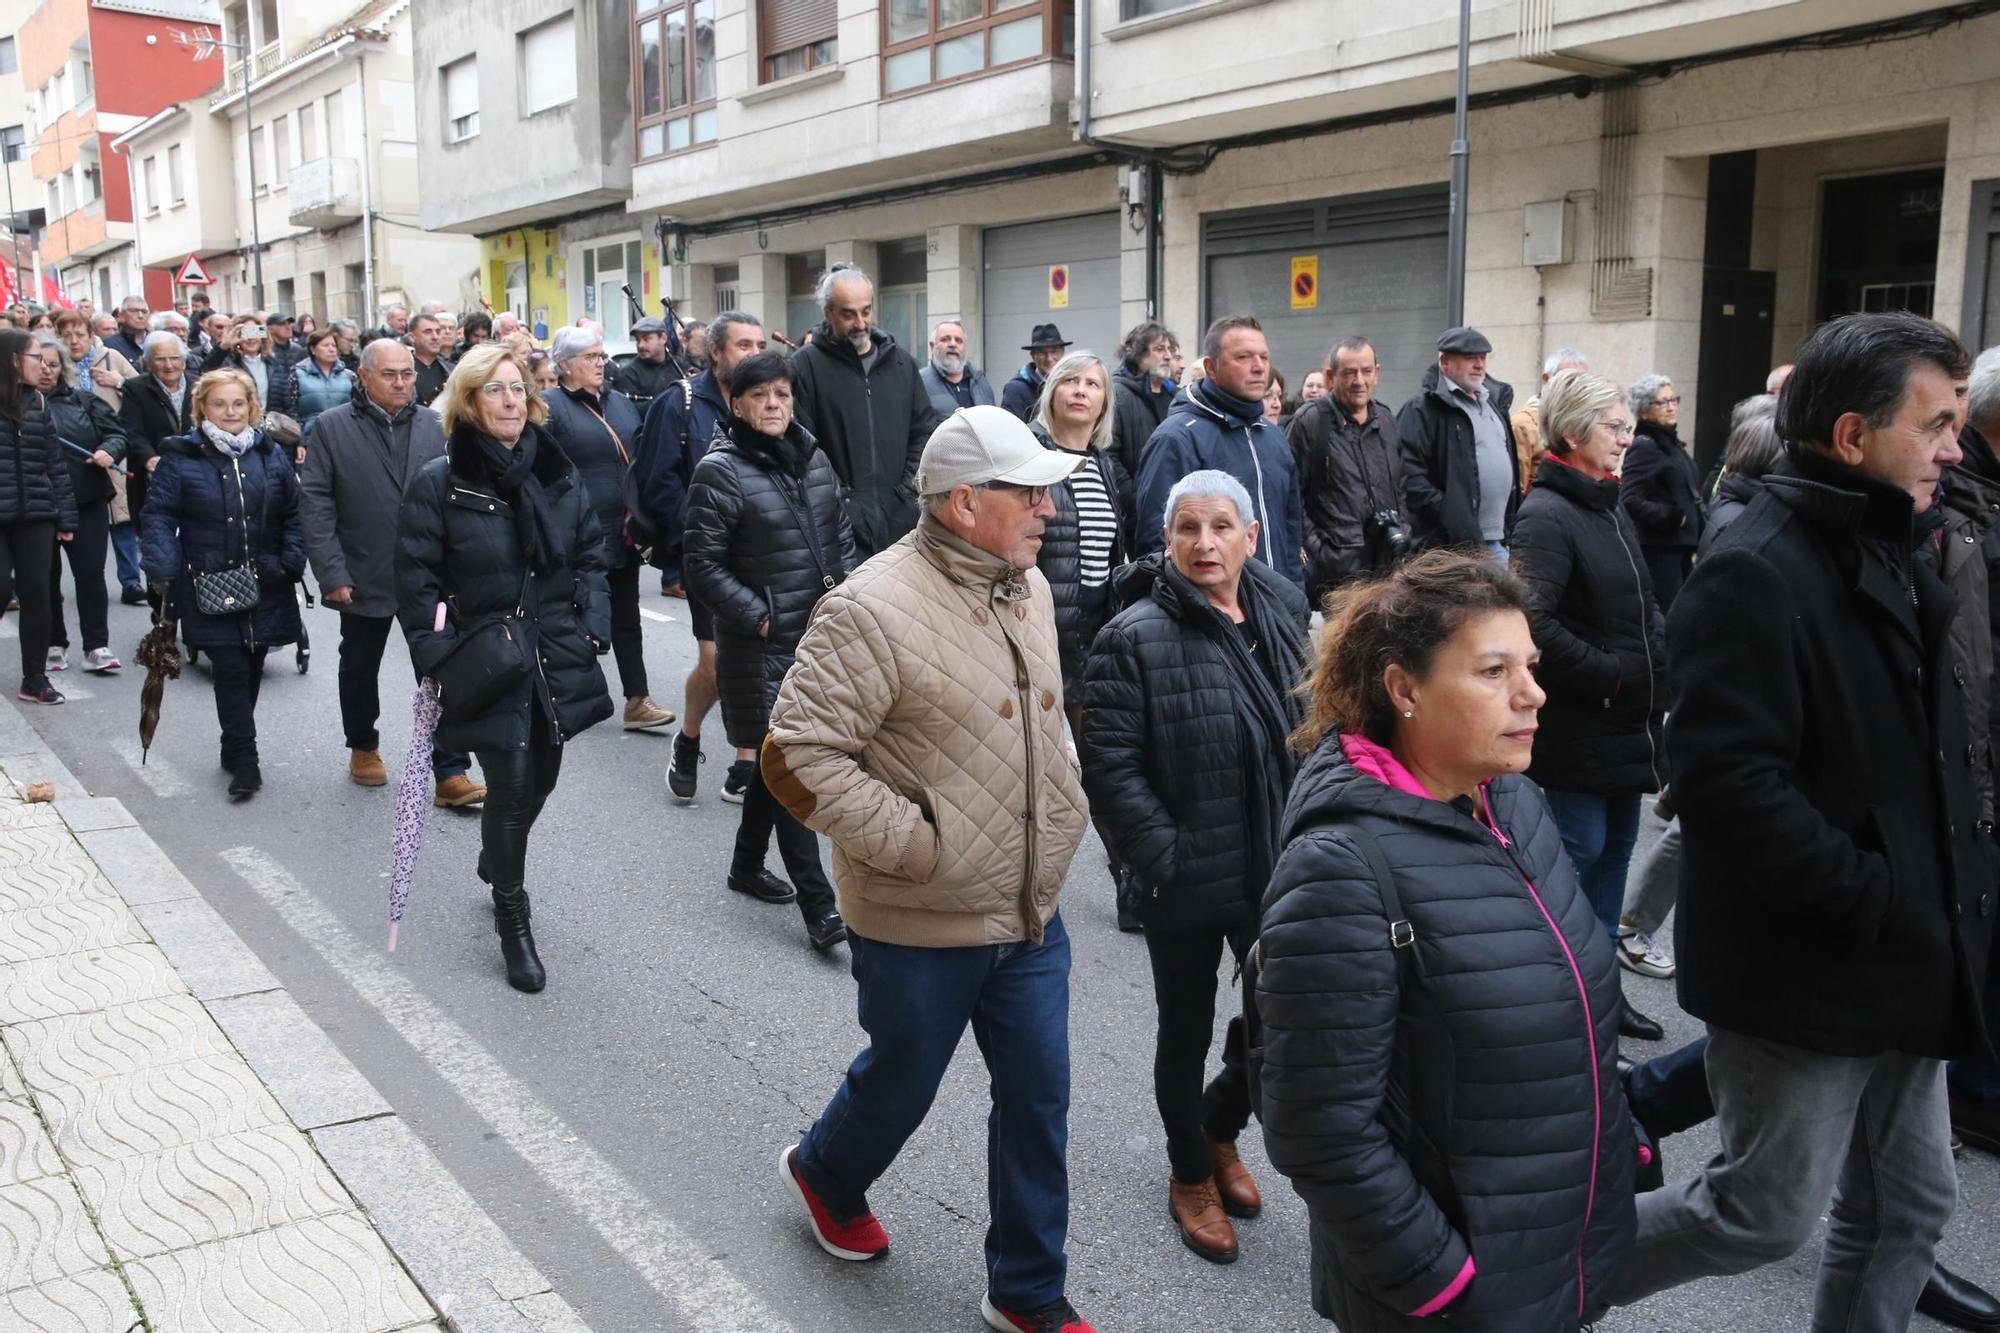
(1599, 833)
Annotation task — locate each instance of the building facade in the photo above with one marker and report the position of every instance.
(23, 193)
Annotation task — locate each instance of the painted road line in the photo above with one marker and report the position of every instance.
(705, 1294)
(158, 775)
(651, 614)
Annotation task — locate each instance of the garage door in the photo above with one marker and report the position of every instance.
(1381, 275)
(1015, 295)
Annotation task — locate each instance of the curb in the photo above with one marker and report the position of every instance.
(457, 1255)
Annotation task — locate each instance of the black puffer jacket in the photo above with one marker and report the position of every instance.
(872, 424)
(35, 485)
(1603, 640)
(1733, 495)
(1080, 611)
(1184, 738)
(87, 421)
(766, 537)
(456, 543)
(1662, 488)
(579, 421)
(1457, 1098)
(208, 512)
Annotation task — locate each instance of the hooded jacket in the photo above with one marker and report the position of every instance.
(766, 539)
(1450, 1110)
(1020, 394)
(1441, 465)
(921, 730)
(35, 481)
(873, 423)
(1206, 428)
(1348, 472)
(1819, 736)
(1603, 640)
(1185, 738)
(208, 512)
(1662, 488)
(680, 425)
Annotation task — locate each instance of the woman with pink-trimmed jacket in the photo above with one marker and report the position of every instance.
(1440, 1006)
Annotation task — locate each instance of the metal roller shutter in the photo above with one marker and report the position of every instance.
(1015, 294)
(1381, 275)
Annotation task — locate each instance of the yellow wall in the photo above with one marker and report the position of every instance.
(543, 248)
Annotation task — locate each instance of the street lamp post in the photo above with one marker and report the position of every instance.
(1461, 152)
(204, 41)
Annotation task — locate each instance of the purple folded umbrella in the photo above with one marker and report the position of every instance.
(413, 802)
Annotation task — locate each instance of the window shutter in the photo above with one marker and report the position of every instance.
(788, 24)
(461, 91)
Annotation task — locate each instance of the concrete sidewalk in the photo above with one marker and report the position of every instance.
(181, 1149)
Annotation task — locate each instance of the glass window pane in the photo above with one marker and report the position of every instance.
(632, 266)
(652, 141)
(589, 267)
(1019, 40)
(704, 50)
(826, 52)
(961, 55)
(1002, 6)
(959, 11)
(908, 70)
(677, 134)
(908, 18)
(705, 125)
(649, 70)
(785, 64)
(676, 43)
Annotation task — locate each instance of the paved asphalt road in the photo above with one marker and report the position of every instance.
(624, 1126)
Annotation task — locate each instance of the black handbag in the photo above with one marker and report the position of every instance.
(227, 592)
(487, 662)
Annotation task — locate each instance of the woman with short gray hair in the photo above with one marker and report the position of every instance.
(598, 428)
(1754, 449)
(1662, 487)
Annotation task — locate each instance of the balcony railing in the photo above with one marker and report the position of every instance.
(325, 192)
(239, 72)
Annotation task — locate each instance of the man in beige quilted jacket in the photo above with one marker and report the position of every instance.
(921, 729)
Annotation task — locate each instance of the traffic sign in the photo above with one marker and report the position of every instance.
(1305, 282)
(192, 274)
(1059, 287)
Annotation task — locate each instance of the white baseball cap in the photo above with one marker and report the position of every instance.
(979, 444)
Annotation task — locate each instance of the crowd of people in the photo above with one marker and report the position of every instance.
(950, 626)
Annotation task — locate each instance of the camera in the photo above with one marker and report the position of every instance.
(1388, 537)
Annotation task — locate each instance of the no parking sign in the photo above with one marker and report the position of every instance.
(1059, 287)
(1305, 282)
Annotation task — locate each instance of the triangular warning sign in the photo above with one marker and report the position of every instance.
(192, 274)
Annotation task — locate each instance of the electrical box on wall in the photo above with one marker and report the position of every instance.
(1545, 233)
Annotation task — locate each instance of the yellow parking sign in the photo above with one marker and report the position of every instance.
(1305, 282)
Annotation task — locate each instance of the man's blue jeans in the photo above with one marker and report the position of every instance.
(125, 546)
(915, 1004)
(1599, 833)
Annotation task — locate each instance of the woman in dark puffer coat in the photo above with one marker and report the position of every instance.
(221, 498)
(84, 421)
(37, 507)
(1439, 1003)
(766, 537)
(1082, 543)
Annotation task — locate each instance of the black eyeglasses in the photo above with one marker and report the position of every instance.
(1035, 494)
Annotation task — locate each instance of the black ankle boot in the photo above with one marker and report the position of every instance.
(517, 942)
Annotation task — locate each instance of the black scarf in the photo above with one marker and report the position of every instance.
(512, 472)
(1241, 411)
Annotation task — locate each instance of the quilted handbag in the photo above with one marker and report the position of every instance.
(226, 592)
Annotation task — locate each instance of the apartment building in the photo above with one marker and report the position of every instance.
(23, 194)
(524, 115)
(299, 170)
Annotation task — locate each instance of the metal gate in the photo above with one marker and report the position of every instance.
(1018, 283)
(1381, 264)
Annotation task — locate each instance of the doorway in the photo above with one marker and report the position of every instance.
(1878, 243)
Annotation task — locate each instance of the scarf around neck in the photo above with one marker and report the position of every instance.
(82, 365)
(234, 446)
(512, 472)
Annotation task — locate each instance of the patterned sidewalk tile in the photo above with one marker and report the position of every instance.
(326, 1275)
(209, 1191)
(45, 1234)
(25, 1151)
(155, 1109)
(66, 927)
(93, 1302)
(10, 1078)
(79, 982)
(82, 1048)
(34, 871)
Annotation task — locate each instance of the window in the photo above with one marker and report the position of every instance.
(935, 41)
(308, 141)
(257, 164)
(548, 65)
(10, 60)
(150, 180)
(795, 36)
(459, 82)
(802, 312)
(86, 88)
(13, 143)
(675, 45)
(174, 192)
(267, 22)
(281, 151)
(608, 267)
(336, 126)
(1136, 9)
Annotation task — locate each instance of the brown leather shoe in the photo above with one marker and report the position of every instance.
(1232, 1181)
(674, 590)
(1205, 1228)
(365, 767)
(457, 791)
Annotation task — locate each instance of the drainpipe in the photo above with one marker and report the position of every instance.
(367, 192)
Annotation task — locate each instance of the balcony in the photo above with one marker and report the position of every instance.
(325, 192)
(240, 72)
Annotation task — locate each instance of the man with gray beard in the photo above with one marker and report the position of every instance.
(951, 379)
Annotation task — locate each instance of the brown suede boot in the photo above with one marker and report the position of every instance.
(365, 768)
(1205, 1228)
(1232, 1181)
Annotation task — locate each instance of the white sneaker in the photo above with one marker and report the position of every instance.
(1639, 953)
(101, 661)
(58, 659)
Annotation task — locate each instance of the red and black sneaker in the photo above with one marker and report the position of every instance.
(1058, 1316)
(858, 1239)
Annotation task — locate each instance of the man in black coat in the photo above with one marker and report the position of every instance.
(862, 401)
(645, 373)
(1188, 706)
(1350, 461)
(133, 324)
(1144, 383)
(1837, 895)
(1461, 473)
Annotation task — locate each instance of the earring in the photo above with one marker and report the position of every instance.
(1407, 712)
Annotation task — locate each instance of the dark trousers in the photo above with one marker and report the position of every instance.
(628, 643)
(125, 547)
(1669, 1094)
(27, 557)
(518, 782)
(238, 673)
(915, 1004)
(1599, 833)
(1669, 566)
(797, 844)
(363, 640)
(86, 553)
(1184, 963)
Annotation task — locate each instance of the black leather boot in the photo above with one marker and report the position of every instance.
(517, 942)
(1959, 1302)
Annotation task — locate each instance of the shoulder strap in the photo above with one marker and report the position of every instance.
(1402, 935)
(687, 417)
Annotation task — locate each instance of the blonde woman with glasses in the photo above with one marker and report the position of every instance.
(501, 528)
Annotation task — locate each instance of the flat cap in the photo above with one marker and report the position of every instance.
(1463, 341)
(650, 324)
